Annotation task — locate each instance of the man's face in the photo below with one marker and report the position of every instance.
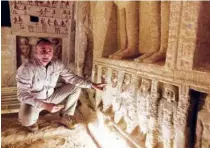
(44, 53)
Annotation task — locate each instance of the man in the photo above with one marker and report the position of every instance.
(36, 81)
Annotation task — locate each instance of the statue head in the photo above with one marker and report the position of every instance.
(55, 41)
(145, 85)
(104, 75)
(24, 41)
(114, 76)
(170, 92)
(127, 79)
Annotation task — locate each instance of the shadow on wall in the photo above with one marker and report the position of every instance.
(202, 51)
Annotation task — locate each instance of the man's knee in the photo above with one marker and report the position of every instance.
(28, 115)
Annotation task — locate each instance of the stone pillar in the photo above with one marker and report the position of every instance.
(152, 136)
(181, 129)
(82, 35)
(188, 35)
(173, 37)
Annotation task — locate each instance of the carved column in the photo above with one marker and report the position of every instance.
(151, 140)
(181, 130)
(188, 35)
(83, 42)
(173, 37)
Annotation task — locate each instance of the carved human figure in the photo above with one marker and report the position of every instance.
(119, 104)
(115, 91)
(104, 75)
(25, 49)
(168, 108)
(57, 48)
(203, 126)
(129, 30)
(44, 25)
(110, 92)
(129, 107)
(143, 104)
(159, 27)
(57, 26)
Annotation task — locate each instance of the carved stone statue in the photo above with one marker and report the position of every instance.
(203, 126)
(143, 105)
(126, 105)
(115, 91)
(104, 75)
(57, 48)
(25, 49)
(106, 93)
(168, 108)
(159, 28)
(128, 20)
(112, 91)
(120, 106)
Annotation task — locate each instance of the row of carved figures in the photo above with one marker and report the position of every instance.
(43, 12)
(153, 109)
(47, 3)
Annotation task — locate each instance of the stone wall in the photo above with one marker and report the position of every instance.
(33, 20)
(151, 90)
(8, 58)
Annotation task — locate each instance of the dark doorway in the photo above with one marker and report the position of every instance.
(196, 104)
(5, 14)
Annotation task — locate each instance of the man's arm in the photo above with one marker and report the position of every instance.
(70, 77)
(24, 84)
(76, 80)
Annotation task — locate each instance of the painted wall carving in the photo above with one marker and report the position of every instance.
(161, 110)
(53, 17)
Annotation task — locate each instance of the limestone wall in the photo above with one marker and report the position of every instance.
(8, 57)
(153, 89)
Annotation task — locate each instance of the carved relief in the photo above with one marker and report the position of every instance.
(104, 75)
(24, 50)
(159, 32)
(168, 109)
(143, 105)
(203, 126)
(126, 105)
(51, 19)
(128, 14)
(57, 48)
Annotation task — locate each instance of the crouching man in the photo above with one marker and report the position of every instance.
(36, 81)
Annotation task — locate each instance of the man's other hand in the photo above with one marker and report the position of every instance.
(99, 86)
(52, 107)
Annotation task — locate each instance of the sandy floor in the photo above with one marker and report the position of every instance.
(50, 134)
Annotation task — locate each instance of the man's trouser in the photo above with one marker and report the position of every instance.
(28, 114)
